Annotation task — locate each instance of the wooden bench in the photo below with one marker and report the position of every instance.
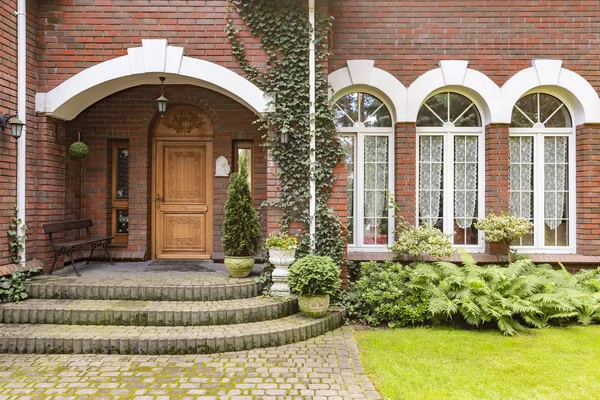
(67, 248)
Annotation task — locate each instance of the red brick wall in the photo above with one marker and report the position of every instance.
(588, 189)
(75, 35)
(408, 38)
(405, 170)
(129, 114)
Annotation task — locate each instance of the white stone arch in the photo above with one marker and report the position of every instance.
(548, 76)
(143, 65)
(453, 75)
(362, 76)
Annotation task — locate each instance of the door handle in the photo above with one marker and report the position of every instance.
(158, 200)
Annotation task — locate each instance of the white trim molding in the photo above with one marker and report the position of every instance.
(362, 76)
(494, 102)
(143, 65)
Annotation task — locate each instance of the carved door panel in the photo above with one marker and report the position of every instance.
(182, 199)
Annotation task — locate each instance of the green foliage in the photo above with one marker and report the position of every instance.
(280, 240)
(283, 30)
(78, 150)
(383, 295)
(314, 276)
(521, 294)
(12, 288)
(241, 231)
(416, 240)
(16, 231)
(504, 229)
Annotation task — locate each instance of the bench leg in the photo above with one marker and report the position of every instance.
(105, 247)
(54, 263)
(90, 256)
(73, 264)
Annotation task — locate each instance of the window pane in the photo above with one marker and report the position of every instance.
(244, 157)
(525, 112)
(373, 112)
(375, 187)
(521, 181)
(122, 221)
(543, 108)
(122, 173)
(348, 147)
(439, 105)
(346, 110)
(555, 190)
(430, 179)
(463, 112)
(465, 189)
(428, 118)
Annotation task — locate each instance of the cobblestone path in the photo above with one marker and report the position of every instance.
(326, 367)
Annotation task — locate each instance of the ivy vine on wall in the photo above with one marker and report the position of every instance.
(284, 33)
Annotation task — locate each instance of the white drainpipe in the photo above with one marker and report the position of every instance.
(22, 110)
(311, 63)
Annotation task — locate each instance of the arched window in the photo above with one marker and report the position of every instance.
(366, 129)
(541, 171)
(450, 166)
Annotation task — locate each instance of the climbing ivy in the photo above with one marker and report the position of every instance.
(284, 32)
(16, 232)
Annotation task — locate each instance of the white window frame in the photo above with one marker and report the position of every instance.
(448, 135)
(359, 134)
(538, 135)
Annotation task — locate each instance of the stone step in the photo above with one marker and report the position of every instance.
(31, 338)
(167, 286)
(146, 313)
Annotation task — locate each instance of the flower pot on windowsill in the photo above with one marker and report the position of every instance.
(239, 267)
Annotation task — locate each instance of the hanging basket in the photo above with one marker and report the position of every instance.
(78, 150)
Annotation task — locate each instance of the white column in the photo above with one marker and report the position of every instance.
(311, 63)
(22, 110)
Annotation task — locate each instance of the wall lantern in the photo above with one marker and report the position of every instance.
(162, 101)
(284, 136)
(16, 125)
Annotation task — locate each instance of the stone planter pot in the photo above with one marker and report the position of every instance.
(239, 267)
(313, 306)
(281, 259)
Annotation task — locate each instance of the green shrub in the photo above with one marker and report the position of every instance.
(383, 295)
(78, 150)
(416, 240)
(504, 229)
(12, 288)
(521, 294)
(314, 276)
(241, 231)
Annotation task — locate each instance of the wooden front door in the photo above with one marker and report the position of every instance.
(182, 194)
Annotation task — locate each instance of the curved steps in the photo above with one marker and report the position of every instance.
(32, 338)
(146, 313)
(156, 286)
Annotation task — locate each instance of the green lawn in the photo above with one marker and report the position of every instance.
(431, 363)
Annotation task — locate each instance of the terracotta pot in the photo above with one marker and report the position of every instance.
(239, 267)
(313, 306)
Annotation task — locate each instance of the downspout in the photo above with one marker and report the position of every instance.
(22, 111)
(312, 111)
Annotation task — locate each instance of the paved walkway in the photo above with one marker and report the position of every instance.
(326, 367)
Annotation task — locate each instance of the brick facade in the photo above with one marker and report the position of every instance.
(406, 39)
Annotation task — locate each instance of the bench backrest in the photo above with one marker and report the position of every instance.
(67, 225)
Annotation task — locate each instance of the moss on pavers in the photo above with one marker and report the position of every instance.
(155, 286)
(45, 338)
(146, 313)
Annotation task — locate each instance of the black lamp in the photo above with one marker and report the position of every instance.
(162, 101)
(284, 136)
(16, 125)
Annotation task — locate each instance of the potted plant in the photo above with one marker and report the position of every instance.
(282, 250)
(504, 229)
(314, 279)
(241, 231)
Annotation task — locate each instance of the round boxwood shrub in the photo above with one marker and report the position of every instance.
(78, 150)
(314, 276)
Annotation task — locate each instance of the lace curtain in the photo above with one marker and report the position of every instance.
(465, 180)
(430, 178)
(555, 168)
(521, 169)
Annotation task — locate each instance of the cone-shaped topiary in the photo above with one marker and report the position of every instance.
(241, 231)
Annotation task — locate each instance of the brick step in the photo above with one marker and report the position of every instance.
(170, 286)
(146, 313)
(31, 338)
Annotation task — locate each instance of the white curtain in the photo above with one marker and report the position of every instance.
(430, 178)
(465, 180)
(521, 169)
(555, 168)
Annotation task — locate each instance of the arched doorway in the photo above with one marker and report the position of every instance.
(182, 209)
